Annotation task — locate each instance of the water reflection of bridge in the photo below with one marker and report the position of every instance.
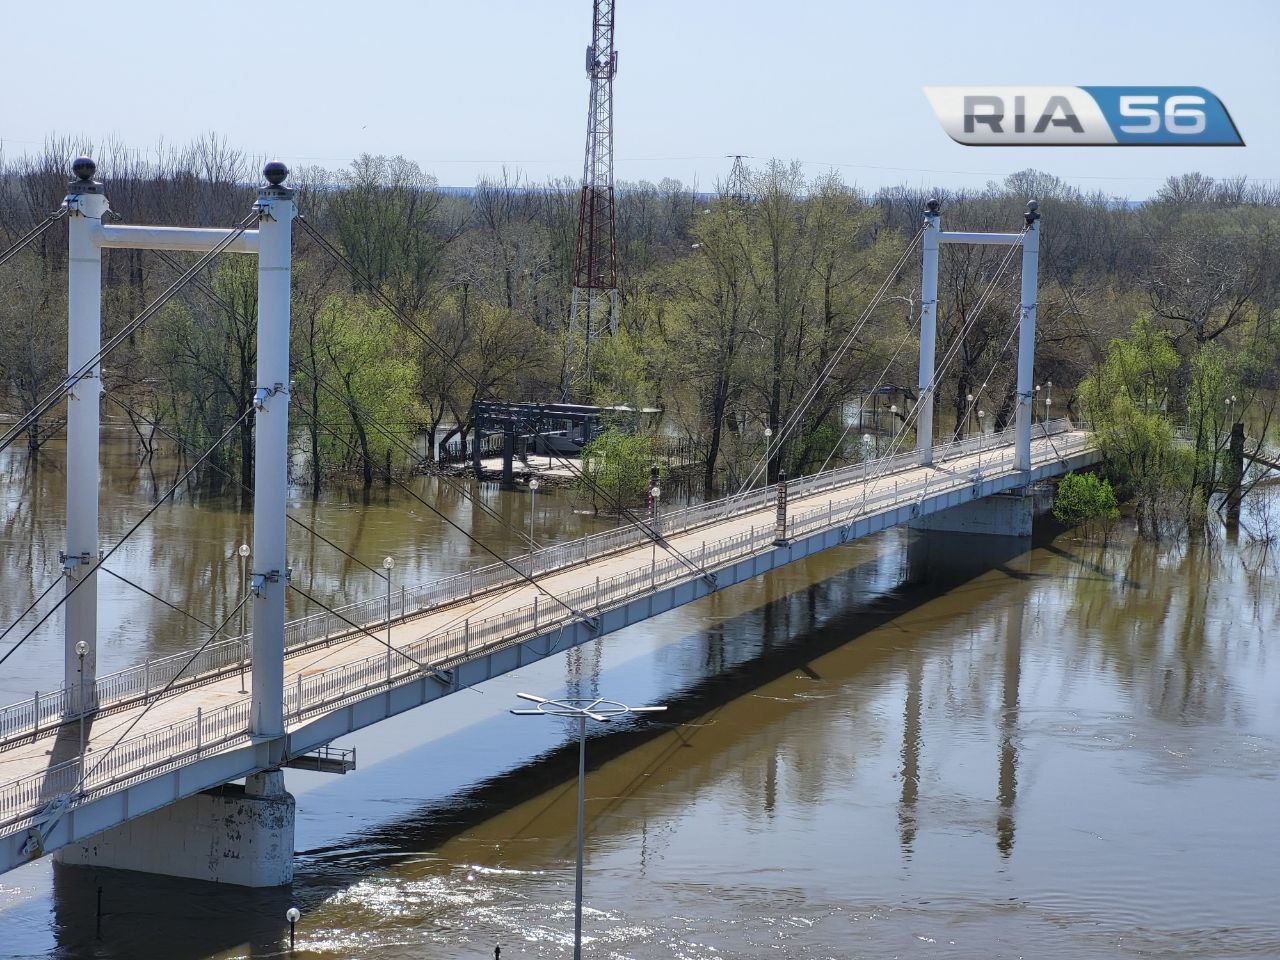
(454, 633)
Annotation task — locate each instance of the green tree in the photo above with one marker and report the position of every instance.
(1082, 497)
(617, 463)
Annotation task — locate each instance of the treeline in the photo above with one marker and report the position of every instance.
(730, 306)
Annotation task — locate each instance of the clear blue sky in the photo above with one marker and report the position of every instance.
(464, 88)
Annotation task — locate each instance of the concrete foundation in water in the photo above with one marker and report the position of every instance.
(1002, 515)
(236, 835)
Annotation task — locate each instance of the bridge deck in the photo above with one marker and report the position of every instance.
(195, 721)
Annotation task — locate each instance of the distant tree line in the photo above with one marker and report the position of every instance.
(730, 306)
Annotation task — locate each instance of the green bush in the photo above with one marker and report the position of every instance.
(617, 464)
(1083, 497)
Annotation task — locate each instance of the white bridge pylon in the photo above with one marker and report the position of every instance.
(934, 236)
(88, 235)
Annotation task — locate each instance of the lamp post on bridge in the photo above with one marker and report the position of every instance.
(82, 648)
(582, 710)
(244, 552)
(533, 499)
(387, 564)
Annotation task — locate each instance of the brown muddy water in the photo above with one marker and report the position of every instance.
(906, 747)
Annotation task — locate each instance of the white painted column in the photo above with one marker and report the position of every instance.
(1027, 339)
(271, 451)
(928, 332)
(86, 204)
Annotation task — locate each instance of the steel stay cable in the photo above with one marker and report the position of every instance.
(646, 529)
(940, 368)
(815, 388)
(155, 698)
(31, 235)
(34, 603)
(903, 341)
(186, 445)
(130, 532)
(952, 350)
(156, 596)
(880, 381)
(458, 488)
(380, 574)
(59, 392)
(470, 536)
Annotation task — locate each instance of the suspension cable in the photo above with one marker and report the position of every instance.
(940, 368)
(31, 235)
(646, 529)
(59, 392)
(811, 393)
(132, 530)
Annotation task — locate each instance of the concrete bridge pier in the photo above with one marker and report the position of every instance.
(239, 835)
(1001, 515)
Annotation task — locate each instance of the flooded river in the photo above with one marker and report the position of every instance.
(906, 747)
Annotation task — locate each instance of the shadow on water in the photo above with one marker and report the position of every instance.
(145, 916)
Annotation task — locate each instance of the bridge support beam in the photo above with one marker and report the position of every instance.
(508, 457)
(1027, 339)
(1002, 515)
(271, 452)
(86, 205)
(232, 834)
(928, 332)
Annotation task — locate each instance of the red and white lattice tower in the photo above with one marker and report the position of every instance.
(594, 306)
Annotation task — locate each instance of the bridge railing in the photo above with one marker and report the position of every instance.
(137, 683)
(215, 730)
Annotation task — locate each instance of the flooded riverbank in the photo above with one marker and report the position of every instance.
(905, 747)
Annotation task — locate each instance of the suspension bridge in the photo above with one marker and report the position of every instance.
(139, 768)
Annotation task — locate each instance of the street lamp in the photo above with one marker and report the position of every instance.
(533, 498)
(244, 587)
(655, 497)
(1048, 398)
(768, 460)
(893, 425)
(968, 410)
(387, 564)
(293, 915)
(581, 709)
(82, 647)
(982, 432)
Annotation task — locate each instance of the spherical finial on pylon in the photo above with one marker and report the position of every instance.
(1032, 214)
(84, 168)
(275, 172)
(933, 206)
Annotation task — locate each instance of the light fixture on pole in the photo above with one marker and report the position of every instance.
(893, 425)
(582, 710)
(533, 499)
(293, 915)
(387, 564)
(1037, 397)
(968, 411)
(982, 432)
(655, 497)
(768, 457)
(244, 586)
(82, 647)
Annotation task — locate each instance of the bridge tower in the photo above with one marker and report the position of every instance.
(933, 237)
(593, 306)
(86, 205)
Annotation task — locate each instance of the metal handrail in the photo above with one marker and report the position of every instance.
(215, 730)
(137, 683)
